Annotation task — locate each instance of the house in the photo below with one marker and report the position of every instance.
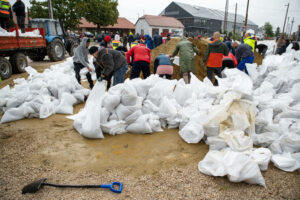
(123, 26)
(150, 24)
(201, 20)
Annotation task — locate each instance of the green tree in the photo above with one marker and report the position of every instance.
(101, 12)
(277, 33)
(268, 29)
(67, 11)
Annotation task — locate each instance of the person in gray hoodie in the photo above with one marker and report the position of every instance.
(112, 62)
(80, 61)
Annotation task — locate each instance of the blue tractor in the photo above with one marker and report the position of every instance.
(58, 42)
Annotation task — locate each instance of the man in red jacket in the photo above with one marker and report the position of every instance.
(141, 59)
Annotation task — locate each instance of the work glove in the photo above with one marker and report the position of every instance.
(100, 79)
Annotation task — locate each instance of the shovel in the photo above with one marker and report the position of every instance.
(37, 185)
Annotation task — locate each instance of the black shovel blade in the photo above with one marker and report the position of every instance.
(33, 187)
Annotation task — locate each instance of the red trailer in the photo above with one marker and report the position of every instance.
(16, 48)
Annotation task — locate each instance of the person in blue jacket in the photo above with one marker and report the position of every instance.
(149, 42)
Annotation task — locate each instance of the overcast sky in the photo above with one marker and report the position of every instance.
(260, 11)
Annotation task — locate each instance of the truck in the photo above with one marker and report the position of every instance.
(53, 42)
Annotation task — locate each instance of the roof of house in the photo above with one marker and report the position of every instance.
(122, 23)
(208, 13)
(162, 21)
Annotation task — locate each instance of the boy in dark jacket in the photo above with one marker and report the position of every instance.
(213, 57)
(19, 9)
(112, 62)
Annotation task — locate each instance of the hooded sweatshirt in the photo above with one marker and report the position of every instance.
(81, 53)
(214, 53)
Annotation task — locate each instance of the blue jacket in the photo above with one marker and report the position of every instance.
(149, 42)
(162, 59)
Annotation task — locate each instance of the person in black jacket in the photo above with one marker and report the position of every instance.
(157, 39)
(112, 62)
(262, 49)
(19, 9)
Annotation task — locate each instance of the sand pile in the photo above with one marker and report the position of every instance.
(169, 47)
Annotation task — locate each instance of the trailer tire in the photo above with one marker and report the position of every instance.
(5, 68)
(36, 56)
(18, 62)
(56, 50)
(72, 49)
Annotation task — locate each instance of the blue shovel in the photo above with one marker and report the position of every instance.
(35, 186)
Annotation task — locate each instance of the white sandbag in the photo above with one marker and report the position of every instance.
(163, 88)
(141, 125)
(111, 101)
(87, 122)
(167, 109)
(113, 116)
(290, 142)
(133, 117)
(104, 115)
(47, 108)
(142, 86)
(213, 164)
(240, 121)
(237, 140)
(182, 93)
(114, 127)
(252, 70)
(265, 139)
(295, 92)
(262, 157)
(154, 123)
(149, 107)
(13, 114)
(192, 133)
(129, 94)
(286, 162)
(66, 104)
(241, 167)
(215, 143)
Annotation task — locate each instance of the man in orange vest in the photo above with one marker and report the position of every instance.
(5, 14)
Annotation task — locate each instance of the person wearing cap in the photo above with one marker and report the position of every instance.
(149, 42)
(106, 42)
(140, 61)
(112, 62)
(81, 61)
(130, 39)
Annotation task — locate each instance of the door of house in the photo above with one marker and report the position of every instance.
(154, 30)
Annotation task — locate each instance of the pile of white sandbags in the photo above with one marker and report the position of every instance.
(34, 33)
(230, 118)
(55, 90)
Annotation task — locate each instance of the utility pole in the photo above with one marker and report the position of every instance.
(287, 26)
(246, 18)
(225, 17)
(234, 20)
(287, 10)
(50, 12)
(292, 26)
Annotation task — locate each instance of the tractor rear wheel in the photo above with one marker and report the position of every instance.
(18, 62)
(5, 68)
(56, 50)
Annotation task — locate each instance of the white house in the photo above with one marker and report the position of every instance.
(150, 24)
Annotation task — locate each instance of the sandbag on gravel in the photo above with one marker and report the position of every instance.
(287, 162)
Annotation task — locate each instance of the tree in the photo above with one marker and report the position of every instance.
(268, 29)
(67, 11)
(277, 33)
(101, 12)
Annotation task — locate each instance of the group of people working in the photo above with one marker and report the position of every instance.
(6, 14)
(110, 62)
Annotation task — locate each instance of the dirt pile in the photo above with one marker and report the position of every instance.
(169, 47)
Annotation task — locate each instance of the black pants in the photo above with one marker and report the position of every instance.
(98, 71)
(227, 63)
(77, 68)
(214, 70)
(168, 76)
(4, 23)
(139, 66)
(21, 23)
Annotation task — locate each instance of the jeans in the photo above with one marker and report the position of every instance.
(242, 64)
(77, 68)
(119, 75)
(139, 66)
(21, 23)
(211, 71)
